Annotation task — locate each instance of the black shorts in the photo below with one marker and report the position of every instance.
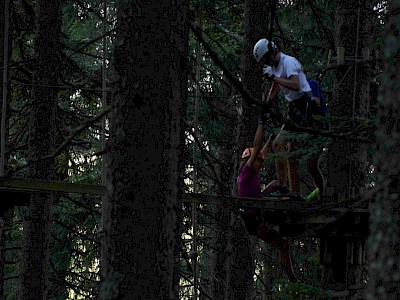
(297, 110)
(303, 112)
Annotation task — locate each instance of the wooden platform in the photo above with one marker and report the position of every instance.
(32, 185)
(298, 218)
(293, 218)
(17, 191)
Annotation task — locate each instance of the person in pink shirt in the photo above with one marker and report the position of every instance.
(249, 185)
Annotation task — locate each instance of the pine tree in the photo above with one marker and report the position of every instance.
(383, 242)
(37, 221)
(141, 211)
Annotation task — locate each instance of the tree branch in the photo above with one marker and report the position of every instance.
(67, 141)
(252, 101)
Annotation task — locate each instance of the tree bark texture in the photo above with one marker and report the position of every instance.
(384, 240)
(241, 247)
(348, 161)
(141, 210)
(2, 86)
(4, 216)
(219, 253)
(3, 222)
(256, 21)
(37, 220)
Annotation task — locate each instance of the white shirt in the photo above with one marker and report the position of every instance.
(287, 67)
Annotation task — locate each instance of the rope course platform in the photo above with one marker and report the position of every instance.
(298, 218)
(17, 191)
(293, 217)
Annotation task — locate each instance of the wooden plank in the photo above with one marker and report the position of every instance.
(297, 218)
(35, 185)
(319, 219)
(330, 54)
(267, 203)
(340, 56)
(366, 53)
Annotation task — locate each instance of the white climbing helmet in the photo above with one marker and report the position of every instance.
(262, 47)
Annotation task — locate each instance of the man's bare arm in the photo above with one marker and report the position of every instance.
(292, 83)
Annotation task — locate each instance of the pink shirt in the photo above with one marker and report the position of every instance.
(248, 183)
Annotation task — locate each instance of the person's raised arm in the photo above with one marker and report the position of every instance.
(257, 144)
(266, 149)
(292, 82)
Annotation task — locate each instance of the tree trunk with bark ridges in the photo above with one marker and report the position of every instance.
(384, 240)
(348, 161)
(141, 210)
(34, 264)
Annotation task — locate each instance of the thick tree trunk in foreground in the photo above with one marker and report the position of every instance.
(141, 211)
(37, 220)
(6, 216)
(384, 240)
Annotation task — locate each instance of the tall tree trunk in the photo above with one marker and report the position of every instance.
(4, 222)
(37, 220)
(347, 161)
(219, 238)
(353, 31)
(384, 240)
(241, 269)
(141, 211)
(220, 234)
(256, 22)
(5, 53)
(5, 215)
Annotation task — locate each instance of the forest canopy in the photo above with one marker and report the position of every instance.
(153, 103)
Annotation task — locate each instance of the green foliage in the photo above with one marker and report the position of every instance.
(74, 241)
(304, 29)
(75, 246)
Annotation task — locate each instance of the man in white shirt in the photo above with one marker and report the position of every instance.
(287, 75)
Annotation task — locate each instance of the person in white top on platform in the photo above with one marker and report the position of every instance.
(287, 75)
